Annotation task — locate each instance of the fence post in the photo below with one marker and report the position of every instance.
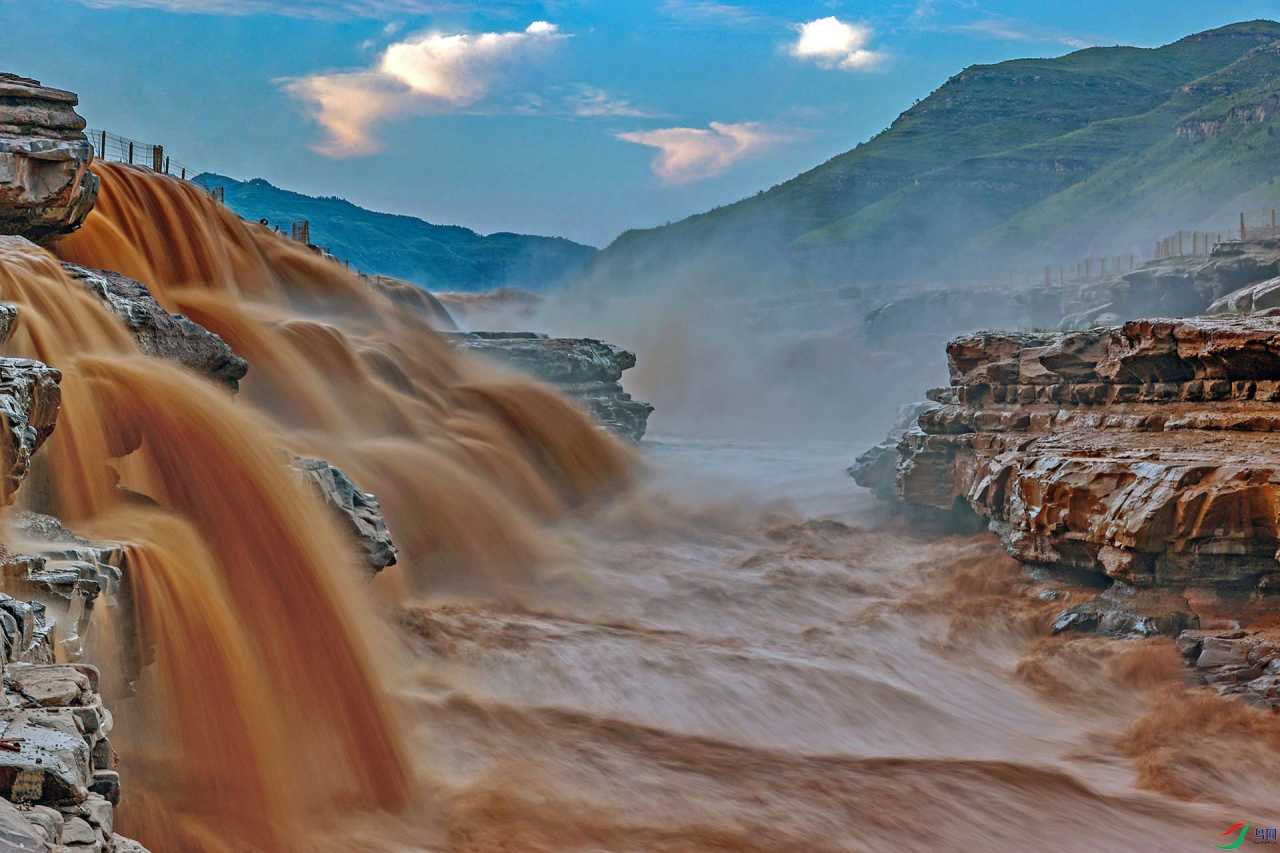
(1273, 221)
(157, 158)
(103, 148)
(184, 173)
(1244, 233)
(130, 153)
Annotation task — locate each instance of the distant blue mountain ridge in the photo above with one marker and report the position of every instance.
(437, 257)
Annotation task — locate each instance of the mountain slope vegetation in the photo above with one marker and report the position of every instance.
(1025, 161)
(439, 257)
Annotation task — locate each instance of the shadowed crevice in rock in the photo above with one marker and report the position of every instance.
(159, 333)
(586, 370)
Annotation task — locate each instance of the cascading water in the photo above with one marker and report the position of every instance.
(265, 703)
(727, 676)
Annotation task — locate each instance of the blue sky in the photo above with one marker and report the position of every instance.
(571, 117)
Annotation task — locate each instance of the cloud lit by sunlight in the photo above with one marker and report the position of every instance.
(833, 43)
(687, 154)
(430, 71)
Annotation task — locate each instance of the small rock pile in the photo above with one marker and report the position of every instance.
(1235, 663)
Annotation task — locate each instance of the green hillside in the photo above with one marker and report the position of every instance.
(439, 257)
(1026, 161)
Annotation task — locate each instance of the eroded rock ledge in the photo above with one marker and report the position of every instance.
(1147, 453)
(585, 369)
(46, 188)
(159, 333)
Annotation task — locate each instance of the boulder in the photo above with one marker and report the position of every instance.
(359, 511)
(585, 369)
(46, 188)
(159, 333)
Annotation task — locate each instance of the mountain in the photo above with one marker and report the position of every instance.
(1022, 162)
(439, 257)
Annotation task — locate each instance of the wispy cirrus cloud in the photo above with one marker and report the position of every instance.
(713, 13)
(833, 43)
(427, 72)
(687, 154)
(591, 102)
(290, 8)
(1008, 29)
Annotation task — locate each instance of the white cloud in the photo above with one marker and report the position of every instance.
(687, 154)
(459, 68)
(291, 8)
(833, 43)
(422, 73)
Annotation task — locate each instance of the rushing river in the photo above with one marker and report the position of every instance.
(750, 655)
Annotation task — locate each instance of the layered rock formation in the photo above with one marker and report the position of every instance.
(587, 370)
(46, 188)
(1147, 453)
(159, 333)
(58, 783)
(57, 775)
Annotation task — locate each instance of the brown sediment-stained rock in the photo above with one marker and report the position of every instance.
(1147, 453)
(46, 188)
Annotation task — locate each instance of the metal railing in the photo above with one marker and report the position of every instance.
(121, 149)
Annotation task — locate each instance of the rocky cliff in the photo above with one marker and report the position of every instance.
(1147, 453)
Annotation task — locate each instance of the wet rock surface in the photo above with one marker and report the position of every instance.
(585, 369)
(359, 511)
(159, 333)
(877, 468)
(29, 401)
(1235, 663)
(1123, 611)
(46, 188)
